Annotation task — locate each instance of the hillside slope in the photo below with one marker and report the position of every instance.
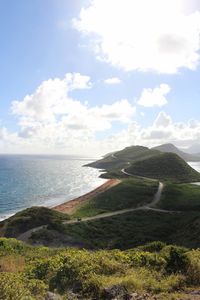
(165, 166)
(28, 219)
(120, 158)
(172, 149)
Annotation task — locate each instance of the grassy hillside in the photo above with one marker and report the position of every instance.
(171, 148)
(135, 153)
(120, 158)
(165, 166)
(154, 271)
(28, 219)
(129, 230)
(180, 197)
(130, 193)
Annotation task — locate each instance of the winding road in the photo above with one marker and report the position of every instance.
(151, 206)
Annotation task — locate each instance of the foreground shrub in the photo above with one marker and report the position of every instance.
(153, 247)
(176, 259)
(193, 267)
(16, 287)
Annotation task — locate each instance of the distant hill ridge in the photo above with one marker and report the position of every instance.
(173, 149)
(163, 162)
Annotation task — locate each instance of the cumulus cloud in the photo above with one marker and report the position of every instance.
(159, 36)
(50, 118)
(164, 130)
(162, 120)
(154, 97)
(76, 134)
(112, 80)
(51, 98)
(51, 121)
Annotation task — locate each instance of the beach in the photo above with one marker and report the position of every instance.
(70, 206)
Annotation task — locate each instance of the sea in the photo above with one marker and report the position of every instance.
(196, 166)
(43, 180)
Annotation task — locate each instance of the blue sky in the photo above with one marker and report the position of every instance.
(133, 77)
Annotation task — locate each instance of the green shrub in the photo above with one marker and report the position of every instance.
(176, 259)
(193, 267)
(153, 247)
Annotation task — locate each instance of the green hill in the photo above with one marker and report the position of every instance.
(120, 158)
(28, 219)
(165, 166)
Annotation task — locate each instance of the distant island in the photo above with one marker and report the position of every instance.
(141, 232)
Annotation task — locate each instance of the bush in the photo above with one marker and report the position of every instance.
(146, 259)
(193, 267)
(153, 247)
(176, 259)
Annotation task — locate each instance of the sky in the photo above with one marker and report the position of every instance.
(88, 77)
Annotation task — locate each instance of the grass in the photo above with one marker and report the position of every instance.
(130, 193)
(28, 219)
(165, 166)
(131, 229)
(120, 158)
(183, 197)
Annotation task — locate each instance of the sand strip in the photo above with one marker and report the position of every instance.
(70, 206)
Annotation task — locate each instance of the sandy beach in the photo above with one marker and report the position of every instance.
(70, 206)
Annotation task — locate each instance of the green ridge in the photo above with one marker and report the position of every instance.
(165, 166)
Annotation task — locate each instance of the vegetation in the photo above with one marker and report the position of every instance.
(180, 197)
(130, 230)
(165, 166)
(150, 163)
(131, 251)
(28, 219)
(157, 269)
(119, 159)
(130, 193)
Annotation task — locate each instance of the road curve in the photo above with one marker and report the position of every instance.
(26, 235)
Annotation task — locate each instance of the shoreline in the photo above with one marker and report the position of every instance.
(68, 207)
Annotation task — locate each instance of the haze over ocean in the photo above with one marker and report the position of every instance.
(27, 180)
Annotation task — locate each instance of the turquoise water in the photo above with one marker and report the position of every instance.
(42, 180)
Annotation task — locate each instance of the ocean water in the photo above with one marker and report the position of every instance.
(195, 165)
(26, 181)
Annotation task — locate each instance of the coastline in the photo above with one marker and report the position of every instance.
(69, 207)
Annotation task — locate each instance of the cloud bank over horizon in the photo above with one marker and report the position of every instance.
(50, 120)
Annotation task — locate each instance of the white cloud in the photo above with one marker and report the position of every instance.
(154, 97)
(164, 130)
(160, 36)
(51, 120)
(51, 98)
(76, 134)
(162, 120)
(112, 80)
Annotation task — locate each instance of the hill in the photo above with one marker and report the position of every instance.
(165, 166)
(172, 149)
(28, 219)
(120, 158)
